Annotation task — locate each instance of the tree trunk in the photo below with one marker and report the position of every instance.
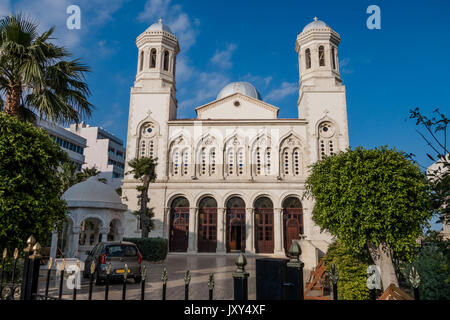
(382, 257)
(13, 97)
(144, 217)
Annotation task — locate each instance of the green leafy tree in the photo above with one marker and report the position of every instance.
(433, 267)
(352, 268)
(372, 200)
(35, 78)
(30, 187)
(144, 170)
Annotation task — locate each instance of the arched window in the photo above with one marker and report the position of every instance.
(286, 161)
(230, 161)
(176, 162)
(258, 161)
(166, 60)
(321, 56)
(213, 161)
(308, 58)
(268, 161)
(234, 157)
(185, 162)
(296, 160)
(333, 58)
(153, 58)
(327, 139)
(240, 156)
(141, 63)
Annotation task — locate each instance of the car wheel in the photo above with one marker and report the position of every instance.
(138, 279)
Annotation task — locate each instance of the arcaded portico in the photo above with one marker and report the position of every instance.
(96, 214)
(231, 224)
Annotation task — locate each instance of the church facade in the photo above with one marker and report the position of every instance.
(232, 179)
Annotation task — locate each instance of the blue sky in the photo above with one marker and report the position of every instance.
(386, 72)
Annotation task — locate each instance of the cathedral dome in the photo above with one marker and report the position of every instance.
(159, 26)
(316, 24)
(241, 87)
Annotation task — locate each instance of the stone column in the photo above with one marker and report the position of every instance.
(192, 241)
(166, 223)
(278, 231)
(104, 231)
(54, 244)
(75, 240)
(249, 231)
(119, 235)
(221, 228)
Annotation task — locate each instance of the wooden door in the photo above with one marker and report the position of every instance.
(293, 226)
(207, 230)
(264, 230)
(179, 233)
(235, 229)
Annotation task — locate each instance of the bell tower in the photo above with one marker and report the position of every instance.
(322, 99)
(152, 104)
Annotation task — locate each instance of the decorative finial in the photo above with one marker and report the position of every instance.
(160, 21)
(187, 277)
(241, 262)
(414, 278)
(315, 18)
(211, 281)
(144, 272)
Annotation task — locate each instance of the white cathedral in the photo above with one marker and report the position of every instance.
(232, 179)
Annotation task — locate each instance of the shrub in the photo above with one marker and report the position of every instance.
(352, 270)
(152, 249)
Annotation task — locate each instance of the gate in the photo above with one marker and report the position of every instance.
(293, 226)
(179, 234)
(207, 230)
(264, 230)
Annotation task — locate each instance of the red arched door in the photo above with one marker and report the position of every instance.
(179, 225)
(207, 225)
(292, 221)
(264, 225)
(235, 222)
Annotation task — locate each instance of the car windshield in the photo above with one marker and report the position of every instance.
(121, 251)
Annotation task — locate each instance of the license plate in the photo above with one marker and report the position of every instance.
(120, 271)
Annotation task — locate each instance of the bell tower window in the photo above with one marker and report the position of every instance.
(327, 139)
(308, 58)
(333, 59)
(153, 58)
(321, 56)
(166, 60)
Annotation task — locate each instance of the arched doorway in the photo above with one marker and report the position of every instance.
(179, 225)
(292, 221)
(207, 225)
(235, 224)
(264, 225)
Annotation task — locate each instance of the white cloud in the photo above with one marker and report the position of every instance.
(48, 13)
(259, 82)
(286, 89)
(5, 8)
(222, 58)
(173, 16)
(344, 66)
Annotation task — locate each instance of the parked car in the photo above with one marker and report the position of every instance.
(118, 254)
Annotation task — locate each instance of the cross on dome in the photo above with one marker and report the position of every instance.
(315, 19)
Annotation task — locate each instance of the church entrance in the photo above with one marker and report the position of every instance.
(179, 225)
(264, 225)
(235, 222)
(207, 225)
(292, 221)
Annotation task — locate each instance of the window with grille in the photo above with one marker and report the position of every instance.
(185, 162)
(230, 161)
(296, 158)
(321, 56)
(213, 161)
(268, 161)
(241, 161)
(176, 162)
(153, 58)
(308, 58)
(203, 162)
(258, 161)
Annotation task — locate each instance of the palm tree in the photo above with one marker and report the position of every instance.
(68, 175)
(35, 78)
(143, 169)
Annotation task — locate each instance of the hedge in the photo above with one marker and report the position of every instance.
(152, 249)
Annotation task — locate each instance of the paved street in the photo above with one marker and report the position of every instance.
(199, 265)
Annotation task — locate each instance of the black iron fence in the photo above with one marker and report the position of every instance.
(285, 282)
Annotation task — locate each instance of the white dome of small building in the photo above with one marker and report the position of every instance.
(241, 87)
(93, 193)
(159, 26)
(95, 213)
(316, 24)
